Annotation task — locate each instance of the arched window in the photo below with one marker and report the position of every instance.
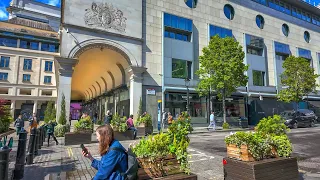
(228, 11)
(285, 30)
(260, 21)
(307, 36)
(191, 3)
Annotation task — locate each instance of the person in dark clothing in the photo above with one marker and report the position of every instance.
(19, 124)
(50, 131)
(108, 118)
(95, 118)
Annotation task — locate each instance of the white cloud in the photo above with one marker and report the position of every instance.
(3, 14)
(54, 2)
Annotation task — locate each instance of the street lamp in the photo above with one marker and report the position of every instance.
(187, 83)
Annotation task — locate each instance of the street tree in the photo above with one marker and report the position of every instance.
(298, 79)
(48, 112)
(222, 69)
(62, 118)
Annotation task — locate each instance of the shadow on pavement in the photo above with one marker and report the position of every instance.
(38, 173)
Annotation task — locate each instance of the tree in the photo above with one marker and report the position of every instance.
(298, 78)
(62, 118)
(222, 68)
(53, 112)
(48, 112)
(139, 112)
(5, 116)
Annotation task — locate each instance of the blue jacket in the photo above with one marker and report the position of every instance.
(111, 164)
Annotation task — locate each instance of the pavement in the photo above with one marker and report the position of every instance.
(206, 149)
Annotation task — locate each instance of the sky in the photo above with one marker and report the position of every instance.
(5, 3)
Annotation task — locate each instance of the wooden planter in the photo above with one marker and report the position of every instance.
(123, 136)
(144, 130)
(267, 169)
(239, 153)
(72, 138)
(142, 175)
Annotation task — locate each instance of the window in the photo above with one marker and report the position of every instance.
(49, 47)
(181, 69)
(48, 66)
(304, 53)
(222, 32)
(191, 3)
(29, 45)
(4, 62)
(285, 30)
(255, 45)
(27, 64)
(26, 78)
(307, 36)
(228, 11)
(281, 48)
(8, 42)
(177, 27)
(260, 21)
(47, 79)
(3, 76)
(258, 78)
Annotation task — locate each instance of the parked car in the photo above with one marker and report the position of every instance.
(299, 118)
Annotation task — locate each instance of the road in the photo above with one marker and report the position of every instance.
(208, 149)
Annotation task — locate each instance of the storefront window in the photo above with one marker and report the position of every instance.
(181, 69)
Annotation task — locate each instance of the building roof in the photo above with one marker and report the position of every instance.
(31, 23)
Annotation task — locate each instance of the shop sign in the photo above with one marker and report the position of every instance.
(151, 92)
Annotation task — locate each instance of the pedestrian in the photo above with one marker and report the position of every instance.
(50, 131)
(212, 124)
(114, 160)
(33, 122)
(95, 117)
(108, 118)
(131, 126)
(170, 118)
(19, 124)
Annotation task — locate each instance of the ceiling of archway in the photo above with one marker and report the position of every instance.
(94, 64)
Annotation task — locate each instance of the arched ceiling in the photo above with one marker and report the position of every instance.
(97, 66)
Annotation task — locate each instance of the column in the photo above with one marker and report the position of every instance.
(64, 83)
(13, 107)
(35, 106)
(135, 88)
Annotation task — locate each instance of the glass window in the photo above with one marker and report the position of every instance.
(8, 42)
(48, 66)
(47, 79)
(26, 78)
(222, 32)
(255, 45)
(177, 22)
(228, 11)
(49, 47)
(304, 53)
(191, 3)
(258, 78)
(181, 69)
(307, 36)
(29, 45)
(285, 30)
(4, 62)
(260, 21)
(27, 64)
(3, 76)
(282, 48)
(167, 19)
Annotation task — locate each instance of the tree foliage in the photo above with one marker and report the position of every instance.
(62, 118)
(5, 116)
(139, 113)
(221, 68)
(298, 78)
(48, 112)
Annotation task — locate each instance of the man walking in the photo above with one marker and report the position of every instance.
(212, 124)
(50, 131)
(19, 124)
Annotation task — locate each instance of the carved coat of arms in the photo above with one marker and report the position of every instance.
(105, 15)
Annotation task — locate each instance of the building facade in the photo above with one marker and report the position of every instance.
(28, 44)
(113, 54)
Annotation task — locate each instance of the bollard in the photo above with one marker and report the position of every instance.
(4, 163)
(31, 146)
(42, 134)
(36, 143)
(39, 138)
(21, 156)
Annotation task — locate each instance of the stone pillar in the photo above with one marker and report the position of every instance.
(135, 88)
(64, 83)
(13, 107)
(35, 106)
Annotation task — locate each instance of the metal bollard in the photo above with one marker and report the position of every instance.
(21, 156)
(39, 138)
(31, 147)
(42, 134)
(4, 163)
(36, 143)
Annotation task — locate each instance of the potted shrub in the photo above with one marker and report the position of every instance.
(120, 128)
(82, 132)
(144, 125)
(5, 119)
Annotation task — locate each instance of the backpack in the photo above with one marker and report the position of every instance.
(133, 165)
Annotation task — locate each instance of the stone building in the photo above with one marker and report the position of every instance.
(29, 41)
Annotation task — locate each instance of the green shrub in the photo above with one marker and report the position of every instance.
(60, 130)
(282, 145)
(225, 126)
(146, 119)
(273, 125)
(5, 116)
(63, 115)
(119, 124)
(48, 112)
(84, 124)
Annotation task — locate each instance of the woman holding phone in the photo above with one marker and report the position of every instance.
(114, 160)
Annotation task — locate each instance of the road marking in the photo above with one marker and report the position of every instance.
(68, 150)
(71, 151)
(199, 156)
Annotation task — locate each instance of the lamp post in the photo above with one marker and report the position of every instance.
(187, 83)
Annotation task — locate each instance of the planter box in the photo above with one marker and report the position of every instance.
(123, 136)
(142, 175)
(239, 153)
(10, 131)
(144, 131)
(72, 138)
(267, 169)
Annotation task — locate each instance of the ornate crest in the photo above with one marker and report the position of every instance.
(106, 16)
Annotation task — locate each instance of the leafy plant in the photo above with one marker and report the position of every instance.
(5, 116)
(84, 124)
(272, 125)
(139, 113)
(48, 112)
(118, 123)
(225, 126)
(146, 119)
(282, 145)
(63, 115)
(60, 130)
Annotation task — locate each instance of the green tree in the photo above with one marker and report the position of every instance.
(48, 112)
(5, 116)
(62, 118)
(139, 113)
(298, 78)
(53, 112)
(222, 69)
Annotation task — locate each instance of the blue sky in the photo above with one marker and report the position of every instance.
(5, 3)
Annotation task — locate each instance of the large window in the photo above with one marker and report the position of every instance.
(228, 11)
(177, 27)
(222, 32)
(3, 76)
(282, 48)
(181, 69)
(255, 45)
(26, 78)
(47, 79)
(27, 64)
(48, 66)
(8, 42)
(258, 78)
(29, 45)
(304, 53)
(49, 47)
(4, 62)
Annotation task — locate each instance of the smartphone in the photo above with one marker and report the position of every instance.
(84, 149)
